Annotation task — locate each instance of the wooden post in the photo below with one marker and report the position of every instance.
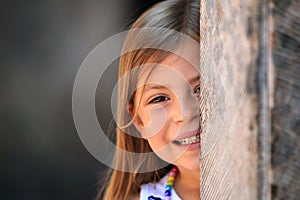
(286, 112)
(228, 55)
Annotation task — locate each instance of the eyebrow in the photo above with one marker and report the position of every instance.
(153, 87)
(195, 79)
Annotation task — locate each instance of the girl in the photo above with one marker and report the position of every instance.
(158, 108)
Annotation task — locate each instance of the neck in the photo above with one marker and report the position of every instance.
(187, 184)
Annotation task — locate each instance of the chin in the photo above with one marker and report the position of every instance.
(191, 165)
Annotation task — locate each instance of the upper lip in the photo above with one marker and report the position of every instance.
(188, 134)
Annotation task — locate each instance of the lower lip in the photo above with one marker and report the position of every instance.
(191, 147)
(194, 146)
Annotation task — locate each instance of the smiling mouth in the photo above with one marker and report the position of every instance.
(190, 140)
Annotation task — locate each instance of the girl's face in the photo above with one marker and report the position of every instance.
(167, 111)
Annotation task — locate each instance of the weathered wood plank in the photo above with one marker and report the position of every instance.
(229, 43)
(286, 112)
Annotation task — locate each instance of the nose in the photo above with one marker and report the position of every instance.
(187, 107)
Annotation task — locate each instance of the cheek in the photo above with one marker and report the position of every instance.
(153, 121)
(158, 142)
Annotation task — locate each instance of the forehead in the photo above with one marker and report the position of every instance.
(172, 68)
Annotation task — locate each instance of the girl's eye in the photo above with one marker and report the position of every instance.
(197, 90)
(159, 99)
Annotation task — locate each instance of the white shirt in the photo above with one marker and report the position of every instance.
(157, 190)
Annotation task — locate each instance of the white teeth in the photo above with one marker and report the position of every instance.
(191, 140)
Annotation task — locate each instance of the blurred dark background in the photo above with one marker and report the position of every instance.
(42, 46)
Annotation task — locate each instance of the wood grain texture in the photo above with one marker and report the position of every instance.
(229, 46)
(286, 112)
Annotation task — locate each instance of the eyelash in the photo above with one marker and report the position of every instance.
(159, 99)
(162, 98)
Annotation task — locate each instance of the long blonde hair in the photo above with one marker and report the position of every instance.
(179, 15)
